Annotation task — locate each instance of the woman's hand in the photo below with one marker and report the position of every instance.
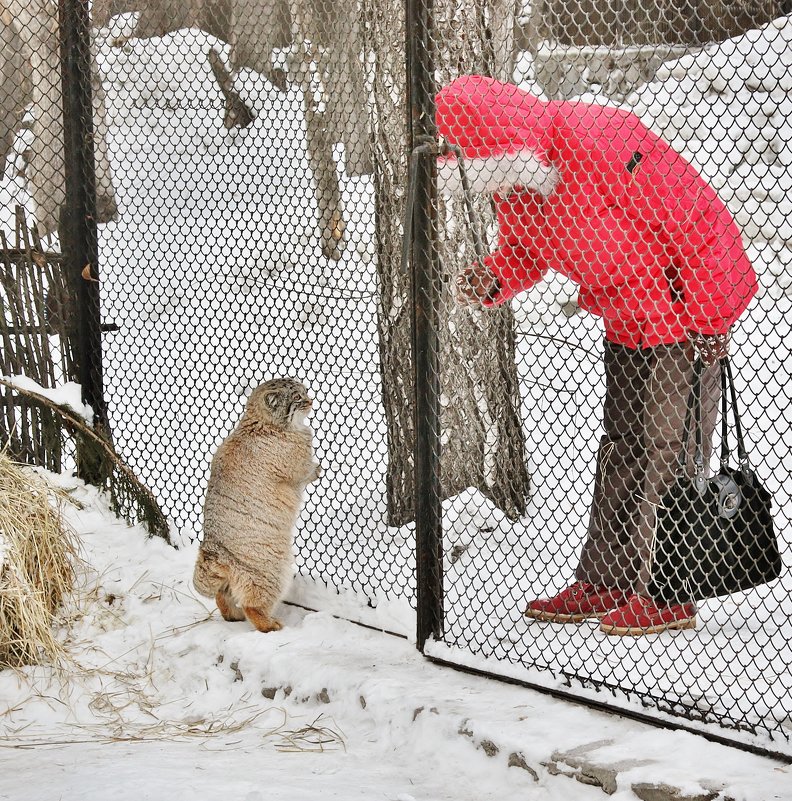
(710, 349)
(476, 285)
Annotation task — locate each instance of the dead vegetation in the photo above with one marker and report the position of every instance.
(37, 560)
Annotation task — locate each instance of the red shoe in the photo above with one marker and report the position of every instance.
(578, 602)
(640, 616)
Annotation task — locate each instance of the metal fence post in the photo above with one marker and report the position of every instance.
(425, 296)
(78, 230)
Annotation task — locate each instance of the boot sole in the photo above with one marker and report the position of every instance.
(558, 617)
(637, 631)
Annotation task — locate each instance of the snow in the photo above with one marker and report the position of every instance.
(160, 698)
(146, 694)
(68, 394)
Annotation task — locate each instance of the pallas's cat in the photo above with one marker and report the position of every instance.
(253, 498)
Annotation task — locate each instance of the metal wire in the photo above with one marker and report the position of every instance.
(244, 219)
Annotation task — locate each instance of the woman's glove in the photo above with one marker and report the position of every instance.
(710, 349)
(476, 286)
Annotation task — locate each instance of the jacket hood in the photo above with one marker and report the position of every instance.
(503, 133)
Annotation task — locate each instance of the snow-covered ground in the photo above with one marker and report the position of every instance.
(727, 110)
(159, 698)
(215, 276)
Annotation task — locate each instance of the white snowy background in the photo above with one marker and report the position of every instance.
(160, 699)
(215, 275)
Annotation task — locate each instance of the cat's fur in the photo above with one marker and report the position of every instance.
(254, 495)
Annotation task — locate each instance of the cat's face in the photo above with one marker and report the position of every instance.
(281, 402)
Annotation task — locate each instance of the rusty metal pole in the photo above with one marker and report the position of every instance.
(425, 296)
(78, 226)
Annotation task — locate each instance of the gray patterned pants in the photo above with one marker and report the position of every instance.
(644, 414)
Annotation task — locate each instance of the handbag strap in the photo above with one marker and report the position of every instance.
(727, 377)
(693, 414)
(724, 452)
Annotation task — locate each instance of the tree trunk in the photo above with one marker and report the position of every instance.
(35, 23)
(31, 26)
(237, 114)
(15, 86)
(482, 440)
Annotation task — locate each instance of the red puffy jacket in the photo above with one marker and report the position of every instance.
(589, 191)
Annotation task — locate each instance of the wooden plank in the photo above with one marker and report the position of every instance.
(31, 432)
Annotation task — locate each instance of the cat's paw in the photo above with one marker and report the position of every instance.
(228, 609)
(261, 620)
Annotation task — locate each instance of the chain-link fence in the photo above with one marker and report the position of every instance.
(241, 147)
(631, 176)
(228, 188)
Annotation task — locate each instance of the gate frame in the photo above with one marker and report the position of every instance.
(77, 225)
(420, 241)
(79, 233)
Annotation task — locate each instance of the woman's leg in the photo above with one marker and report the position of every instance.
(664, 415)
(644, 413)
(609, 557)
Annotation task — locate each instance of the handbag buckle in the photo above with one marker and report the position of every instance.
(729, 495)
(700, 482)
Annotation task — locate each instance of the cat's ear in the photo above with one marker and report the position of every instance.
(272, 399)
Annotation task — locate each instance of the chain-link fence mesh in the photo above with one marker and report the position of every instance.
(233, 163)
(606, 252)
(241, 150)
(238, 189)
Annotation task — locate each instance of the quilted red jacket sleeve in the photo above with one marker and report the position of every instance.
(517, 261)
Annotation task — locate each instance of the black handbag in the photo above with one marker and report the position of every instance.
(714, 536)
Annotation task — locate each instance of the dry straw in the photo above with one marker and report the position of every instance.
(37, 558)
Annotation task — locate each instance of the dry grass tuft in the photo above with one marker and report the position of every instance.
(37, 558)
(316, 737)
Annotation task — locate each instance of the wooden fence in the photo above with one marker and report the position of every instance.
(37, 344)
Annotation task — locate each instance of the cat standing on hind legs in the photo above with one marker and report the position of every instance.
(256, 485)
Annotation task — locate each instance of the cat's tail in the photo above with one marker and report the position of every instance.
(209, 574)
